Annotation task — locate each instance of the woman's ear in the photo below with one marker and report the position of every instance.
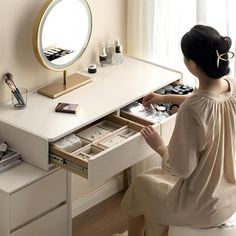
(192, 65)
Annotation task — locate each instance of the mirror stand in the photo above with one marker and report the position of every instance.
(68, 84)
(61, 34)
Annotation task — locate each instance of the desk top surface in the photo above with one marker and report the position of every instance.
(112, 88)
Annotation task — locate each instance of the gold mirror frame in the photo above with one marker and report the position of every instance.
(69, 83)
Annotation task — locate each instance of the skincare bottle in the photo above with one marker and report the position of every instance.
(103, 57)
(118, 56)
(109, 52)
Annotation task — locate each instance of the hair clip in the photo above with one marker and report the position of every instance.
(229, 55)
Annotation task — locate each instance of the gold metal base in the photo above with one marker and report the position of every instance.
(58, 88)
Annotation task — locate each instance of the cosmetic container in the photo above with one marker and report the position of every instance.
(118, 56)
(110, 52)
(103, 57)
(19, 98)
(160, 108)
(92, 69)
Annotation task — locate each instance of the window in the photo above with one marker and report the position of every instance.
(155, 27)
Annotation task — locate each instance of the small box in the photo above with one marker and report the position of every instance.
(67, 107)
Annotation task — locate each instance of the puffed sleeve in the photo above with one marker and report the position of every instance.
(185, 144)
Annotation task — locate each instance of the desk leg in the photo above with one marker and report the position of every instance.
(69, 213)
(126, 175)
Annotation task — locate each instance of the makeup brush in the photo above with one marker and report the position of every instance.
(9, 81)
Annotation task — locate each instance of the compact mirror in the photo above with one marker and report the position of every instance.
(61, 34)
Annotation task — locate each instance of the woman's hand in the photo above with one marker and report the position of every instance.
(154, 140)
(152, 98)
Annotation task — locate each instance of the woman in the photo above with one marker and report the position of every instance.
(197, 185)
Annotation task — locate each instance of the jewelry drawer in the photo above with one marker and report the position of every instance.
(106, 148)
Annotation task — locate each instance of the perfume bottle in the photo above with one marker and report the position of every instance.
(103, 57)
(109, 51)
(118, 56)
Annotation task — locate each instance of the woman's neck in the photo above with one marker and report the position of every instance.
(217, 86)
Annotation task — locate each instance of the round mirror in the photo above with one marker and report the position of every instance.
(61, 34)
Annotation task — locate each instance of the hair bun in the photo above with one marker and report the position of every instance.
(226, 42)
(208, 49)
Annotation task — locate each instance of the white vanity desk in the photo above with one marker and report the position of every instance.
(31, 130)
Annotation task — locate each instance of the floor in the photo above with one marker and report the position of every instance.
(103, 219)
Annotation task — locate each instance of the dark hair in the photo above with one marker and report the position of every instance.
(202, 44)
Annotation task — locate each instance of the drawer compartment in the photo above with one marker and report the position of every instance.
(109, 146)
(34, 200)
(51, 224)
(165, 119)
(166, 125)
(163, 113)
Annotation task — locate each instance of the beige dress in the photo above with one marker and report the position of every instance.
(197, 188)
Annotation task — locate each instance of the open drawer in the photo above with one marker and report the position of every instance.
(102, 149)
(166, 123)
(162, 113)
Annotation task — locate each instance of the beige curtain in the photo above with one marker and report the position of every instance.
(140, 36)
(140, 28)
(220, 15)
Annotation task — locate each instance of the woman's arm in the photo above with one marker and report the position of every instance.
(152, 138)
(154, 98)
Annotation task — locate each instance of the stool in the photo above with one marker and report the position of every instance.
(188, 231)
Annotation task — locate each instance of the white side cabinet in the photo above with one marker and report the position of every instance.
(33, 202)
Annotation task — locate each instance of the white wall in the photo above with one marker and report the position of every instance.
(16, 53)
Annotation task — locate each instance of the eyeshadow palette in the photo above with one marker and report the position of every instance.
(54, 53)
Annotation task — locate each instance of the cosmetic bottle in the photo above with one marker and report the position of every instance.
(118, 56)
(103, 57)
(109, 51)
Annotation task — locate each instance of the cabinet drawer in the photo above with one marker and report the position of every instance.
(37, 198)
(108, 147)
(162, 113)
(51, 224)
(166, 125)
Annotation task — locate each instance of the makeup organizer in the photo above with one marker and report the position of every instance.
(76, 149)
(156, 112)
